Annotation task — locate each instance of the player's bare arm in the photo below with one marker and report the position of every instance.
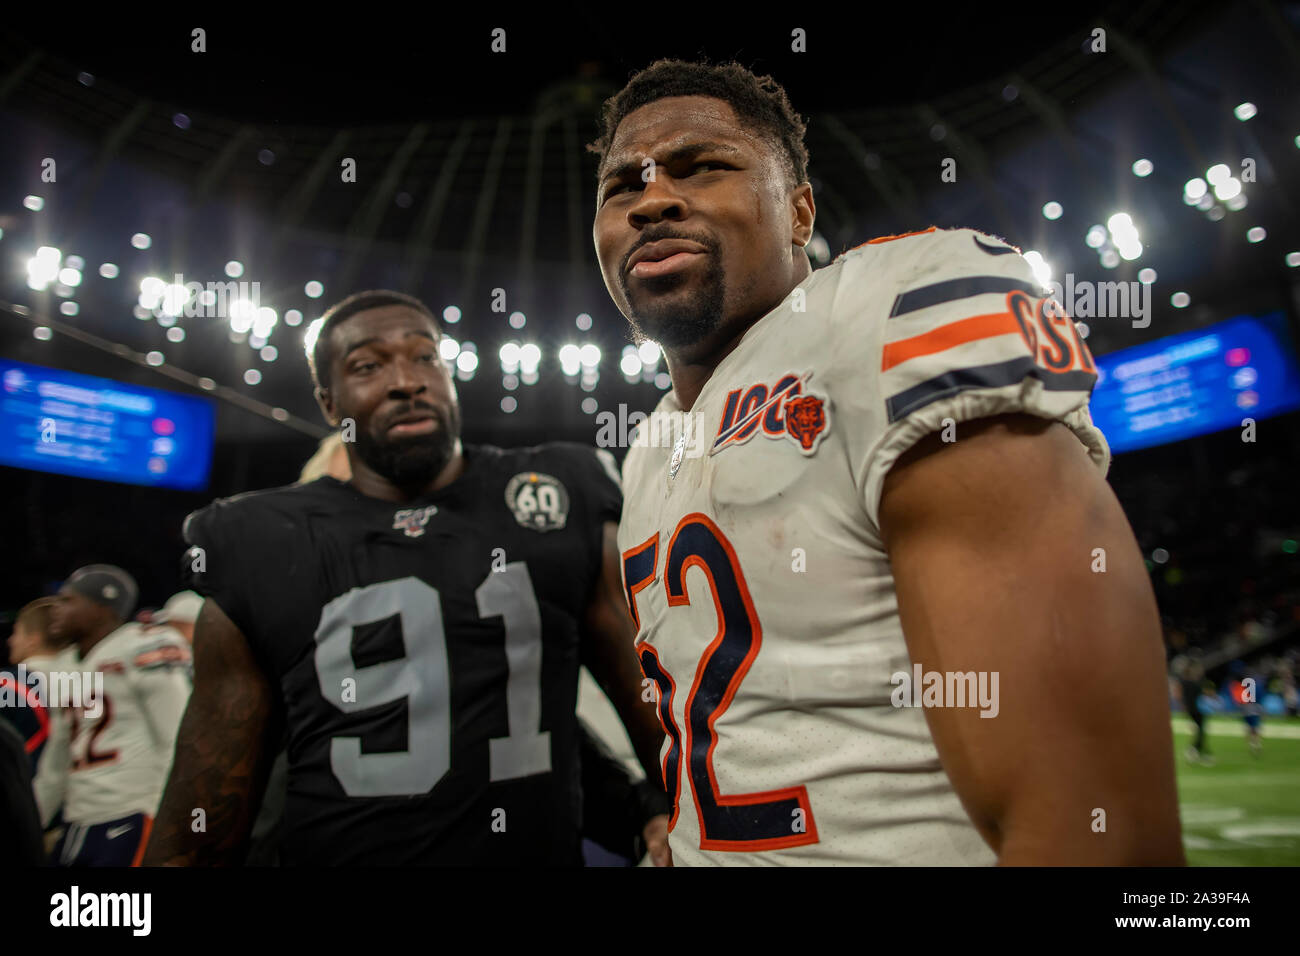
(994, 544)
(608, 643)
(224, 751)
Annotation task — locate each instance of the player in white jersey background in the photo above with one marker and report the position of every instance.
(118, 750)
(892, 473)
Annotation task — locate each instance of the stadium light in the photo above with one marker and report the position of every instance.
(570, 359)
(312, 333)
(1228, 189)
(530, 356)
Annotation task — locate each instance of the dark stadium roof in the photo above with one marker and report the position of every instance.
(473, 174)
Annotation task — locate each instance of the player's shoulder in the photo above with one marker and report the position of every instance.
(259, 512)
(892, 286)
(560, 459)
(157, 647)
(145, 648)
(929, 253)
(932, 239)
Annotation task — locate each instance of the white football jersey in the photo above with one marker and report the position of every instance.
(49, 780)
(753, 562)
(119, 750)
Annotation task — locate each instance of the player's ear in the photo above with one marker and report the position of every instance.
(803, 211)
(326, 403)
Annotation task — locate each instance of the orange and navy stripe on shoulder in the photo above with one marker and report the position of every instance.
(1065, 366)
(948, 336)
(995, 375)
(164, 654)
(950, 290)
(951, 334)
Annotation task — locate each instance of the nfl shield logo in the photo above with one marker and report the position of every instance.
(413, 520)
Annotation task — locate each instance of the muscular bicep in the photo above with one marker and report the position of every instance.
(1012, 557)
(224, 749)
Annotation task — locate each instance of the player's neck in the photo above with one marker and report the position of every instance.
(690, 370)
(690, 375)
(374, 485)
(87, 644)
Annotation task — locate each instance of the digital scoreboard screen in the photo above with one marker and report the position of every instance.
(91, 427)
(1197, 382)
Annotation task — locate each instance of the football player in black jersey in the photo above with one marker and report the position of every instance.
(417, 631)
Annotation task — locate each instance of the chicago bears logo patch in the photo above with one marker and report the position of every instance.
(787, 410)
(538, 502)
(413, 520)
(805, 420)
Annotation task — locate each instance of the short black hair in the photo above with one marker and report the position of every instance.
(321, 353)
(759, 102)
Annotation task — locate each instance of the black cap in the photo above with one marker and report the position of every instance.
(106, 584)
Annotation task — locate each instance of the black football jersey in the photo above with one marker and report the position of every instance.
(427, 653)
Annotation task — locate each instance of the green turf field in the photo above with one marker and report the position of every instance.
(1244, 810)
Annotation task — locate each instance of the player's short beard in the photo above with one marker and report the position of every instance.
(675, 322)
(414, 461)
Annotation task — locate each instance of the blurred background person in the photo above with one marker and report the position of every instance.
(1246, 697)
(123, 734)
(1191, 680)
(31, 646)
(20, 826)
(43, 724)
(331, 459)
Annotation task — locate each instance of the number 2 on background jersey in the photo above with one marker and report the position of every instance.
(422, 678)
(771, 819)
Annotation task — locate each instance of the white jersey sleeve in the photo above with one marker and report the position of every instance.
(50, 782)
(969, 334)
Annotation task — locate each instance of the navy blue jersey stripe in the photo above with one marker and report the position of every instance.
(992, 250)
(954, 289)
(985, 376)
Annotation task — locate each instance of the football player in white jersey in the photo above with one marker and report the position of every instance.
(133, 687)
(894, 612)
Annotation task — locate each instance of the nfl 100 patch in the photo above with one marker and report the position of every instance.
(412, 520)
(538, 501)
